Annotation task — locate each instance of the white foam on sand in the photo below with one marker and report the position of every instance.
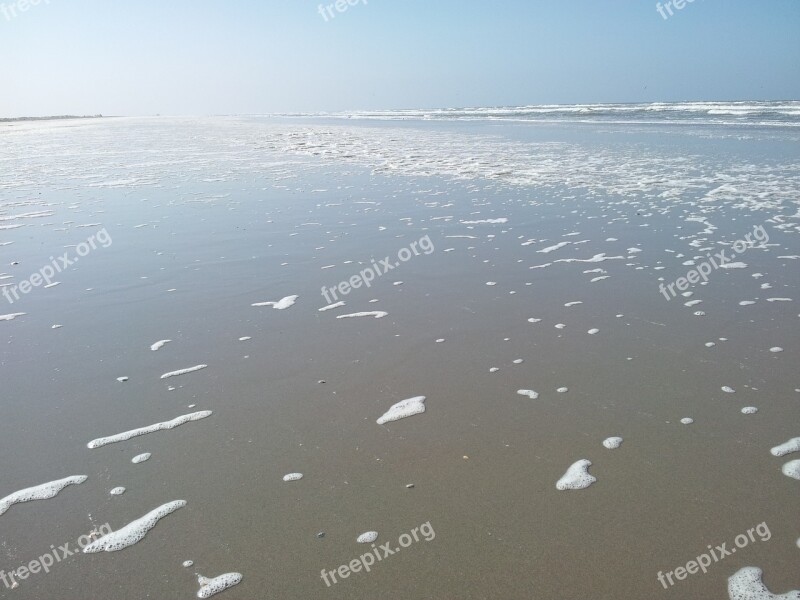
(486, 221)
(367, 537)
(749, 410)
(126, 435)
(159, 344)
(687, 421)
(734, 265)
(552, 248)
(210, 587)
(529, 393)
(117, 491)
(793, 445)
(378, 314)
(183, 371)
(792, 469)
(40, 492)
(133, 531)
(293, 477)
(11, 317)
(141, 458)
(331, 306)
(281, 304)
(728, 389)
(612, 443)
(577, 476)
(746, 584)
(405, 408)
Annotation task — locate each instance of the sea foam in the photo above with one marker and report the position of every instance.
(210, 587)
(405, 408)
(577, 476)
(746, 584)
(126, 435)
(133, 531)
(40, 492)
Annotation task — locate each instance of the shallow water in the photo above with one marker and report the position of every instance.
(211, 216)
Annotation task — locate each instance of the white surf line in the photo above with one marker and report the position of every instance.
(183, 371)
(281, 304)
(378, 314)
(331, 306)
(159, 344)
(11, 317)
(40, 492)
(126, 435)
(133, 531)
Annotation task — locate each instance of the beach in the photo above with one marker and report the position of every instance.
(533, 321)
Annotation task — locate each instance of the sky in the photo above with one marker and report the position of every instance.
(202, 57)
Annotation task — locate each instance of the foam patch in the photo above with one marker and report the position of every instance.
(405, 408)
(577, 476)
(40, 492)
(133, 531)
(126, 435)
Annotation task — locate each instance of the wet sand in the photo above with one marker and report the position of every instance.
(483, 460)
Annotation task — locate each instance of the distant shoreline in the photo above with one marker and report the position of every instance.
(53, 118)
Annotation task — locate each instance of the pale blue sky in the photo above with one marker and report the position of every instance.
(193, 57)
